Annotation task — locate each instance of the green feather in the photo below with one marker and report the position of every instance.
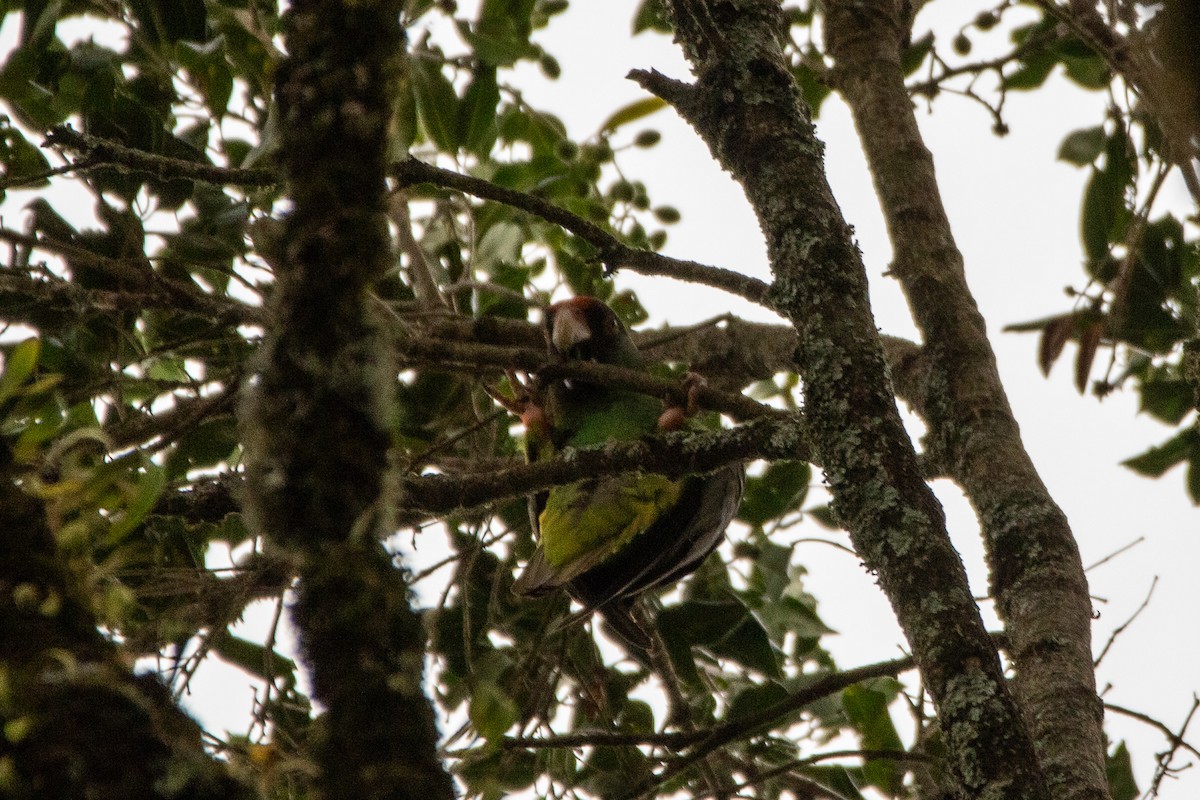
(586, 522)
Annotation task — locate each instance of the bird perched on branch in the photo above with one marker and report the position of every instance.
(608, 539)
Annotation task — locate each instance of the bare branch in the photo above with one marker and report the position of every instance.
(1176, 740)
(96, 151)
(1036, 571)
(612, 252)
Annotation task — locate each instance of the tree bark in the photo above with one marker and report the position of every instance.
(1037, 576)
(746, 106)
(315, 418)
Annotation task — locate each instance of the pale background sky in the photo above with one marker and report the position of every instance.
(1014, 210)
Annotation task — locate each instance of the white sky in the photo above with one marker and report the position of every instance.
(1015, 211)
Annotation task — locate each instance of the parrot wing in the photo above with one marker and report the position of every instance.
(673, 546)
(583, 524)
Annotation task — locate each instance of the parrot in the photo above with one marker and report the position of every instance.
(608, 539)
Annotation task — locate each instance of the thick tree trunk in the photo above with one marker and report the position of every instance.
(746, 106)
(1036, 573)
(315, 418)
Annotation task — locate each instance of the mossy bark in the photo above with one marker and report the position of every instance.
(745, 104)
(1037, 576)
(318, 478)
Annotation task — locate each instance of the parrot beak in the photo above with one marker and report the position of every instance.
(568, 331)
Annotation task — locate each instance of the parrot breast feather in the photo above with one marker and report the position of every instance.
(586, 523)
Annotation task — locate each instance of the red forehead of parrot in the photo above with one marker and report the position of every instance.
(579, 319)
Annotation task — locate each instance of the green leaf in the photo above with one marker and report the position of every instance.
(150, 485)
(796, 615)
(652, 16)
(835, 778)
(1157, 460)
(207, 66)
(205, 445)
(18, 366)
(1082, 147)
(914, 55)
(812, 86)
(1168, 400)
(500, 37)
(477, 114)
(492, 711)
(1101, 199)
(1090, 71)
(437, 104)
(637, 717)
(254, 658)
(825, 517)
(638, 109)
(781, 488)
(1032, 73)
(725, 628)
(1121, 782)
(500, 244)
(772, 562)
(867, 709)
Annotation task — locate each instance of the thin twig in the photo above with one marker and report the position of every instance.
(1176, 740)
(1123, 626)
(721, 735)
(1165, 759)
(1116, 553)
(28, 180)
(420, 273)
(866, 755)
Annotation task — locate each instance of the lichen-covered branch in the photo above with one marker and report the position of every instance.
(746, 106)
(467, 356)
(1036, 573)
(315, 415)
(675, 454)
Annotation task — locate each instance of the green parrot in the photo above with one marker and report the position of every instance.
(610, 538)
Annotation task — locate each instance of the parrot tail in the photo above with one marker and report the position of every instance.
(621, 619)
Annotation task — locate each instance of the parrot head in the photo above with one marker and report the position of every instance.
(585, 329)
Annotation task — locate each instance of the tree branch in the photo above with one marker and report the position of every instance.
(709, 739)
(98, 152)
(721, 735)
(1036, 572)
(468, 356)
(612, 252)
(673, 454)
(746, 106)
(48, 302)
